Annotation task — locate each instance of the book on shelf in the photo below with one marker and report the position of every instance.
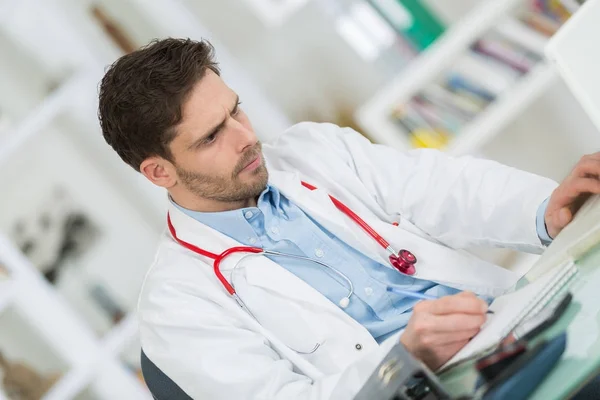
(463, 86)
(571, 5)
(516, 31)
(437, 116)
(553, 9)
(487, 73)
(419, 130)
(547, 16)
(431, 139)
(445, 107)
(540, 22)
(412, 19)
(444, 98)
(506, 52)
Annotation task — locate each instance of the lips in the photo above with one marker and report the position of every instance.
(251, 162)
(250, 157)
(246, 164)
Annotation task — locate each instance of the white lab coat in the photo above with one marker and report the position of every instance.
(197, 334)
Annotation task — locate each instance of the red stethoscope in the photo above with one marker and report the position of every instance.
(403, 260)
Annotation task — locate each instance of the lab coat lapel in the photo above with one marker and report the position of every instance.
(318, 205)
(259, 270)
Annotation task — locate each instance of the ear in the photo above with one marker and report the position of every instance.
(159, 171)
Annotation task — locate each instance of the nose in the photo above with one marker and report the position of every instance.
(244, 137)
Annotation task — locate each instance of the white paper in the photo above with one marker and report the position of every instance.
(506, 309)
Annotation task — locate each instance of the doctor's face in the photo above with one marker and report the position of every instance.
(216, 153)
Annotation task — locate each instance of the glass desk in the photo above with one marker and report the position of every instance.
(581, 361)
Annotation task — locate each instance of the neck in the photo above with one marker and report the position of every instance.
(196, 203)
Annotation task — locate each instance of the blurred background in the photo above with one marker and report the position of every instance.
(78, 227)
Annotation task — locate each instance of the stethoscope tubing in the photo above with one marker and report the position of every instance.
(400, 260)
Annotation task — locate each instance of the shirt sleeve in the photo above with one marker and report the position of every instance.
(540, 224)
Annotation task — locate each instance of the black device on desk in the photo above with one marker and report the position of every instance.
(512, 371)
(517, 366)
(523, 372)
(400, 376)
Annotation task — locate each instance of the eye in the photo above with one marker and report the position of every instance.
(237, 109)
(210, 138)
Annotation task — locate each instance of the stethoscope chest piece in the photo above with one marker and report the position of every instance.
(404, 262)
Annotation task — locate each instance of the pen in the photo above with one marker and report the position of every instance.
(417, 295)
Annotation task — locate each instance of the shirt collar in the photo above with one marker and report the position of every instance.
(233, 223)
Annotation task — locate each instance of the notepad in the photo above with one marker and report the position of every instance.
(513, 308)
(550, 276)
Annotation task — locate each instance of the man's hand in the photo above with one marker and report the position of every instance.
(569, 196)
(438, 329)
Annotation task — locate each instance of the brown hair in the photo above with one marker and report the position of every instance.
(142, 94)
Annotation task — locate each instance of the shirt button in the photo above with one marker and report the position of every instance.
(358, 346)
(248, 214)
(275, 230)
(319, 253)
(252, 240)
(368, 291)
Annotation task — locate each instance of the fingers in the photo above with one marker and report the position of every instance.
(583, 185)
(457, 322)
(439, 328)
(436, 329)
(564, 217)
(442, 339)
(589, 165)
(462, 303)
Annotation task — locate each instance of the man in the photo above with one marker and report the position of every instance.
(168, 114)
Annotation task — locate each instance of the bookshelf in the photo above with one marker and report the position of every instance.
(501, 112)
(375, 115)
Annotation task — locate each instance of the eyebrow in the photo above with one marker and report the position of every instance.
(216, 128)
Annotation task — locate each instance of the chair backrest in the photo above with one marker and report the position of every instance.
(160, 385)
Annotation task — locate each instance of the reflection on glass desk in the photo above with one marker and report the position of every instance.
(581, 361)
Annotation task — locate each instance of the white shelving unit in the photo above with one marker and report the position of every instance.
(7, 294)
(275, 12)
(494, 119)
(106, 352)
(375, 115)
(43, 114)
(94, 363)
(63, 331)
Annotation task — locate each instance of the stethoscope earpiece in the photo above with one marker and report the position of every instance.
(344, 302)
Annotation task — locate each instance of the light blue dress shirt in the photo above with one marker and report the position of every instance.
(540, 224)
(278, 224)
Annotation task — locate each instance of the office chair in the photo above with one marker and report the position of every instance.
(160, 385)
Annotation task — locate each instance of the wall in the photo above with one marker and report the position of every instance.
(313, 74)
(549, 137)
(119, 258)
(19, 342)
(304, 66)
